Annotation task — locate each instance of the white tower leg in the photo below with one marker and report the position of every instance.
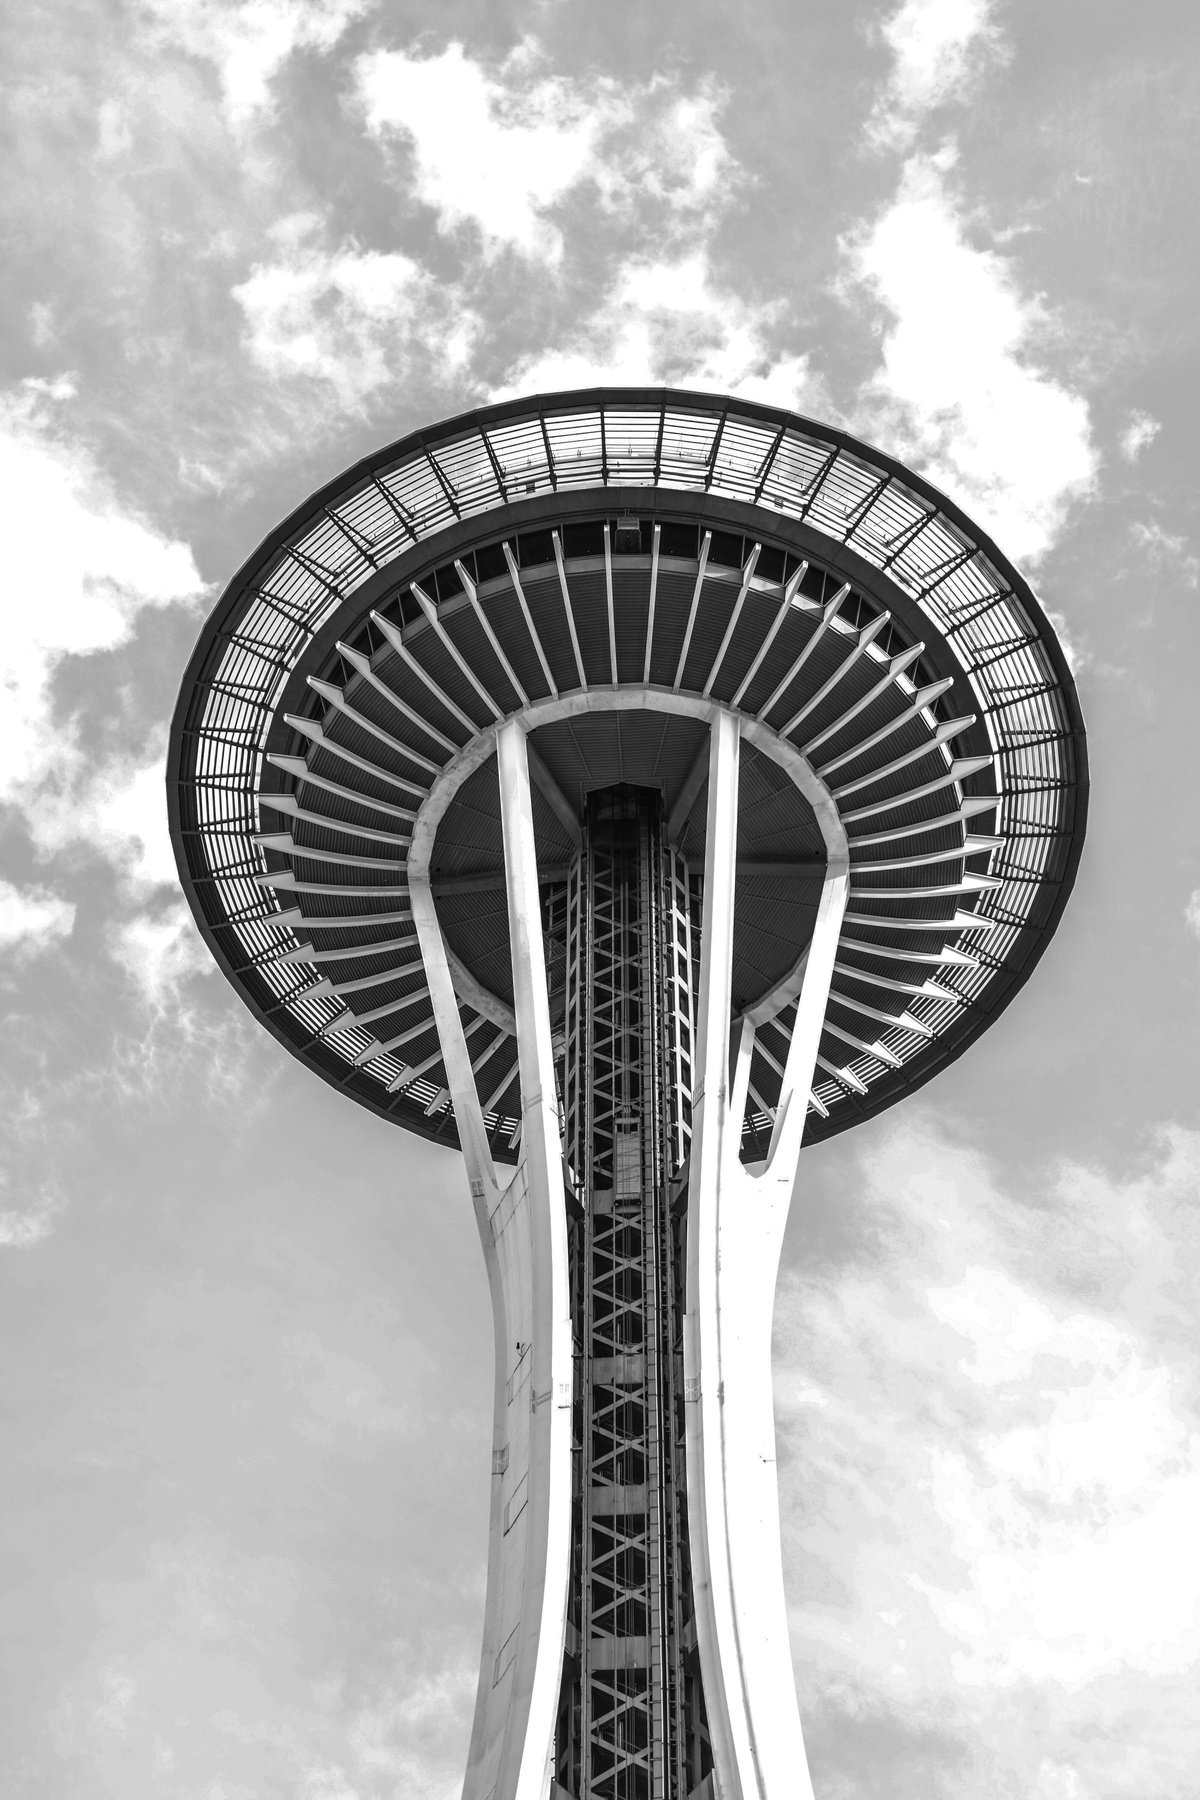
(523, 1230)
(736, 1218)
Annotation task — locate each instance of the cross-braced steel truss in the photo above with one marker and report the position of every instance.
(631, 1719)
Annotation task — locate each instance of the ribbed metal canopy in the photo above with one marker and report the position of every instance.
(608, 565)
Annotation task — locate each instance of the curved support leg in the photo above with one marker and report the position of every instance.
(522, 1226)
(736, 1219)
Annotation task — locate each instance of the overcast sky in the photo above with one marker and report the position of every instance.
(246, 1350)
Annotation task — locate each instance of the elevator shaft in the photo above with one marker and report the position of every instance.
(631, 1716)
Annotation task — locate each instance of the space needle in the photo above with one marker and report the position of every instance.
(628, 787)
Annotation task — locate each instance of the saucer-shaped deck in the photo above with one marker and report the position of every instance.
(610, 565)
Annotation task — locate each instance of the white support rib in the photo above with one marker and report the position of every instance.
(789, 595)
(515, 577)
(950, 729)
(288, 803)
(431, 613)
(296, 767)
(435, 1059)
(865, 639)
(736, 1218)
(897, 665)
(305, 953)
(396, 640)
(472, 594)
(310, 729)
(284, 878)
(653, 599)
(958, 771)
(362, 666)
(735, 615)
(822, 626)
(567, 607)
(285, 844)
(929, 989)
(612, 614)
(353, 1018)
(705, 547)
(946, 958)
(374, 1051)
(962, 921)
(333, 696)
(400, 916)
(922, 699)
(786, 1139)
(970, 809)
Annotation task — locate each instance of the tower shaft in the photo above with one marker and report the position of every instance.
(631, 1719)
(635, 1640)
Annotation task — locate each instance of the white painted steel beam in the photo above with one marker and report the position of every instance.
(522, 1227)
(736, 1218)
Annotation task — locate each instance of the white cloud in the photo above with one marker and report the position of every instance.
(959, 390)
(939, 47)
(80, 570)
(1191, 912)
(249, 41)
(1138, 435)
(499, 151)
(1010, 1445)
(1167, 552)
(483, 152)
(27, 1224)
(159, 951)
(347, 318)
(32, 919)
(669, 322)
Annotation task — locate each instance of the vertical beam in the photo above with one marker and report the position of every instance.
(608, 590)
(735, 1231)
(702, 1380)
(542, 1627)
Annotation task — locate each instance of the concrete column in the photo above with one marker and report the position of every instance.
(522, 1226)
(543, 1621)
(736, 1218)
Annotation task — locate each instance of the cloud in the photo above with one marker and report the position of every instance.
(497, 152)
(159, 951)
(1138, 435)
(1191, 912)
(249, 43)
(1009, 1437)
(940, 47)
(670, 322)
(25, 1225)
(32, 919)
(959, 389)
(347, 319)
(1166, 552)
(81, 569)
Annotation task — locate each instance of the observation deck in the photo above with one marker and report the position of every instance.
(613, 567)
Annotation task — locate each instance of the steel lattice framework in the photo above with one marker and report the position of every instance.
(631, 1711)
(625, 785)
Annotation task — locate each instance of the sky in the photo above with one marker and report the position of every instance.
(246, 1356)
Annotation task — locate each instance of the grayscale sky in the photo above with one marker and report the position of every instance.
(246, 1351)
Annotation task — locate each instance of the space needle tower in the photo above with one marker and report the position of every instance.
(629, 787)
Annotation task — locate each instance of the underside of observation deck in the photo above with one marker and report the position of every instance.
(636, 546)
